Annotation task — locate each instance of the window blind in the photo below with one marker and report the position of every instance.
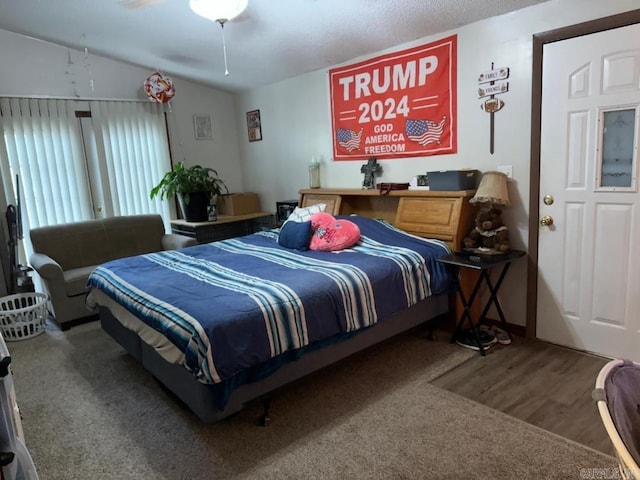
(44, 147)
(136, 155)
(72, 167)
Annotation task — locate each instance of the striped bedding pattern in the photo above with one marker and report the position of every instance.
(234, 304)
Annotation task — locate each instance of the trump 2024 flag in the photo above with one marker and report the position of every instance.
(397, 105)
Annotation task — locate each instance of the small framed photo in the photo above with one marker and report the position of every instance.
(202, 127)
(253, 126)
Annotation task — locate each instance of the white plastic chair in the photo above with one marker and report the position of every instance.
(610, 397)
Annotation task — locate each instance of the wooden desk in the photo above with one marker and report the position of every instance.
(226, 226)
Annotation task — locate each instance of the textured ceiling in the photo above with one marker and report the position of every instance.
(270, 41)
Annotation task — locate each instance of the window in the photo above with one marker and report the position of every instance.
(83, 160)
(618, 149)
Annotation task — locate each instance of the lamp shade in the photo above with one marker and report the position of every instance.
(492, 190)
(218, 10)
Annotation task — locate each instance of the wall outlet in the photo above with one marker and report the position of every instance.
(507, 170)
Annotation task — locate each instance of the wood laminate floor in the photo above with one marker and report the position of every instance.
(542, 384)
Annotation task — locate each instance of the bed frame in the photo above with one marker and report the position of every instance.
(201, 400)
(444, 215)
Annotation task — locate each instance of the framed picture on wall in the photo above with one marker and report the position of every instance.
(202, 127)
(253, 126)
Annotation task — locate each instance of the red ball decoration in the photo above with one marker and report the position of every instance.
(159, 88)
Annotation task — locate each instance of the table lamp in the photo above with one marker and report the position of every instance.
(489, 232)
(492, 191)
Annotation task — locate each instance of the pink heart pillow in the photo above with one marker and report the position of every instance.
(330, 234)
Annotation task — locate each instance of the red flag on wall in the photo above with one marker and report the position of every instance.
(397, 105)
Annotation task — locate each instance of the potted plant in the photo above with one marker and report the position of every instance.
(194, 187)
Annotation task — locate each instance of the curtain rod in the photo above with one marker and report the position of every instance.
(79, 99)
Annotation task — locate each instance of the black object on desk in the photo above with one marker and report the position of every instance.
(484, 263)
(284, 209)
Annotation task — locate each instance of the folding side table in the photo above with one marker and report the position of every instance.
(485, 263)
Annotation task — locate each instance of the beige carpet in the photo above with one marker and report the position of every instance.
(90, 412)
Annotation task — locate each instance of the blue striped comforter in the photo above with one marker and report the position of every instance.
(235, 304)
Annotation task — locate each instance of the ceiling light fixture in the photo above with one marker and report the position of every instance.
(220, 11)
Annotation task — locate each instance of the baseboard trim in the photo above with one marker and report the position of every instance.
(519, 330)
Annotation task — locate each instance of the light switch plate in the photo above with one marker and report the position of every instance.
(506, 169)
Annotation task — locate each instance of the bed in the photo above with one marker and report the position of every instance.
(225, 323)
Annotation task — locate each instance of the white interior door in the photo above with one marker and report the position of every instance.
(589, 266)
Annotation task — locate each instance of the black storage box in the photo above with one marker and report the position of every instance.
(447, 180)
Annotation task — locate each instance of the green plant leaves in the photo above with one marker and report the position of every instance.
(183, 181)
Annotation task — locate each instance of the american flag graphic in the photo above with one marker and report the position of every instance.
(348, 138)
(424, 132)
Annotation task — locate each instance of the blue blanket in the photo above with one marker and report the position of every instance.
(234, 304)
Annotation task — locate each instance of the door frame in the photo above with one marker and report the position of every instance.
(539, 40)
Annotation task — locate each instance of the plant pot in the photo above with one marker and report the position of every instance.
(196, 209)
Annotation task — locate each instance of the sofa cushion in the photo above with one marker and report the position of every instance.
(75, 280)
(133, 235)
(73, 245)
(93, 242)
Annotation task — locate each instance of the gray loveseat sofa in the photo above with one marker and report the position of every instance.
(65, 255)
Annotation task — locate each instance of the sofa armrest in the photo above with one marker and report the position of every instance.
(173, 241)
(46, 266)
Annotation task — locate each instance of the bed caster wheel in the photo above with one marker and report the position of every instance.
(264, 421)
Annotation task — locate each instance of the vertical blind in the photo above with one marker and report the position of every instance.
(44, 147)
(69, 169)
(136, 155)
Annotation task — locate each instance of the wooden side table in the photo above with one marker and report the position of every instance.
(484, 264)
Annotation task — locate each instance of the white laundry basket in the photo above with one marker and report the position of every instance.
(23, 315)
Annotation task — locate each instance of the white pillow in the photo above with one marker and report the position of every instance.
(304, 214)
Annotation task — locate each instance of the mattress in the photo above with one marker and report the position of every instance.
(224, 308)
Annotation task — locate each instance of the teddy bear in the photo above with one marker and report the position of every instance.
(489, 232)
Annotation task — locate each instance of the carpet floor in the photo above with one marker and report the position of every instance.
(91, 412)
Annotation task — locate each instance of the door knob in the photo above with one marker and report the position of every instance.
(546, 221)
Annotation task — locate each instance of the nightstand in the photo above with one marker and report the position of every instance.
(484, 264)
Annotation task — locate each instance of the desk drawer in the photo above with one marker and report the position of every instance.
(429, 217)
